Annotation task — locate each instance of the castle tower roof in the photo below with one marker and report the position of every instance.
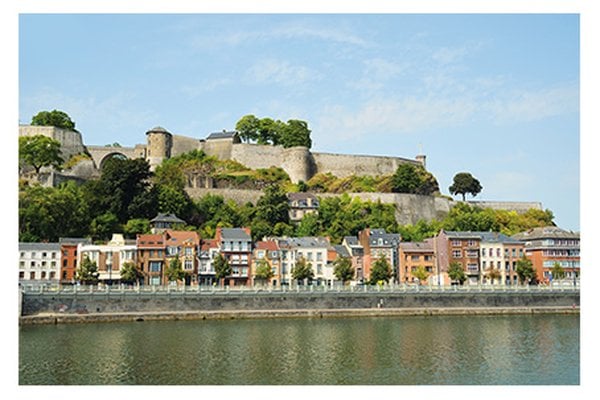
(158, 129)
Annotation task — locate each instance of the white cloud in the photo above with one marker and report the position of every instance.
(522, 105)
(91, 114)
(207, 86)
(280, 72)
(294, 30)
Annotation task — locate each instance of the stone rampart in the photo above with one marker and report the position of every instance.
(240, 196)
(131, 302)
(183, 144)
(343, 165)
(518, 206)
(257, 156)
(71, 141)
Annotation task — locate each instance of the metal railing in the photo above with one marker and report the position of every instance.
(125, 290)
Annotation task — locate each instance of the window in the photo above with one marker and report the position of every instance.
(22, 254)
(498, 252)
(483, 252)
(33, 254)
(188, 251)
(64, 263)
(189, 264)
(319, 256)
(456, 243)
(53, 254)
(456, 253)
(22, 264)
(32, 264)
(21, 274)
(428, 258)
(44, 254)
(483, 265)
(471, 243)
(32, 275)
(309, 256)
(319, 269)
(52, 275)
(155, 266)
(155, 280)
(414, 258)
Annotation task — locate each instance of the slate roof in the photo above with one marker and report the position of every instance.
(39, 246)
(388, 239)
(170, 218)
(547, 232)
(341, 250)
(221, 135)
(308, 241)
(235, 234)
(413, 247)
(496, 237)
(158, 129)
(352, 241)
(74, 241)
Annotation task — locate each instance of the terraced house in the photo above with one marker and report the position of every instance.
(235, 244)
(457, 247)
(500, 253)
(110, 257)
(551, 245)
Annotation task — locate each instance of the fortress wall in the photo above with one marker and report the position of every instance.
(71, 141)
(238, 195)
(220, 148)
(410, 208)
(183, 144)
(257, 156)
(343, 165)
(518, 206)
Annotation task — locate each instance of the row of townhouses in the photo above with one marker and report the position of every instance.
(476, 252)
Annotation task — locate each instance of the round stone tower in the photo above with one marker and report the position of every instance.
(160, 142)
(298, 163)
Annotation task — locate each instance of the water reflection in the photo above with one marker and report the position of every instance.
(415, 350)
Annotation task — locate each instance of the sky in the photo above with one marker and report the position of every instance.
(495, 95)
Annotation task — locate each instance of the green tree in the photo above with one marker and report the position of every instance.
(247, 128)
(103, 226)
(465, 183)
(296, 133)
(493, 274)
(55, 118)
(420, 273)
(130, 273)
(136, 226)
(405, 179)
(558, 272)
(175, 272)
(381, 271)
(525, 270)
(45, 214)
(87, 273)
(124, 189)
(40, 151)
(302, 270)
(343, 270)
(174, 201)
(309, 225)
(263, 271)
(273, 206)
(222, 268)
(456, 272)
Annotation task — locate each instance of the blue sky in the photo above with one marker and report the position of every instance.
(492, 94)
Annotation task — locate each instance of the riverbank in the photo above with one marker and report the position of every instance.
(61, 318)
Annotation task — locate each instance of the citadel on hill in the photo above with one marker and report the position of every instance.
(298, 162)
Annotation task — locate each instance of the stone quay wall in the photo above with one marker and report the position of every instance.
(192, 302)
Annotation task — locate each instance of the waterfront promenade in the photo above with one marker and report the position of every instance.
(121, 303)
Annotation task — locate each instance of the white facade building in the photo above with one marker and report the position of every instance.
(39, 263)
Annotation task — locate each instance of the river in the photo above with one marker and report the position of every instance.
(433, 350)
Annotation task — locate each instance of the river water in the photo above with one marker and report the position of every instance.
(434, 350)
